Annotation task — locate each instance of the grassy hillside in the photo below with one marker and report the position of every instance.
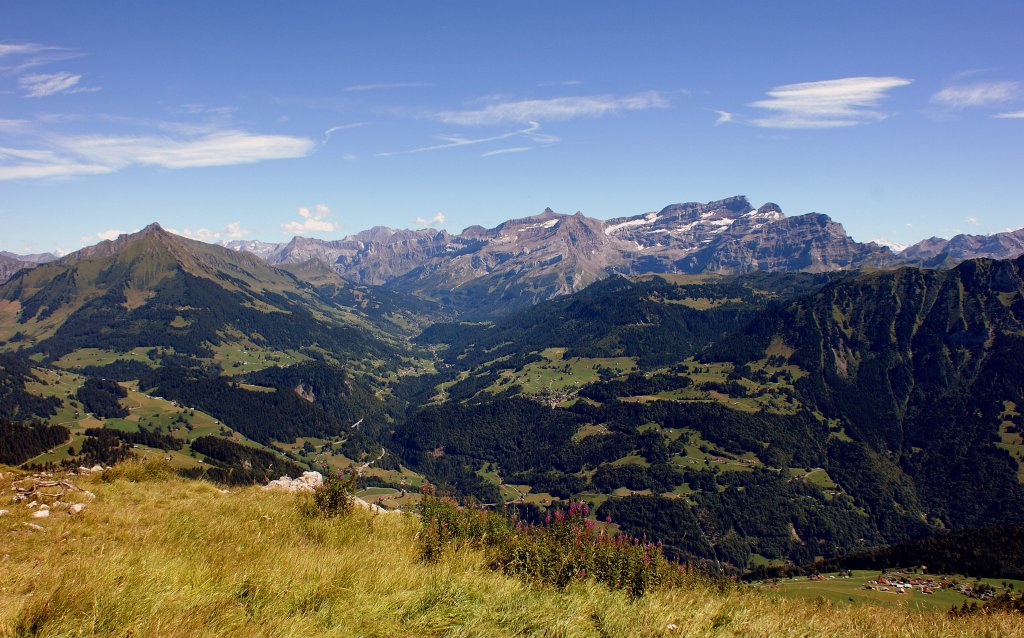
(154, 289)
(154, 554)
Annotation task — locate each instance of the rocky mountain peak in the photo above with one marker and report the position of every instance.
(153, 232)
(730, 206)
(770, 210)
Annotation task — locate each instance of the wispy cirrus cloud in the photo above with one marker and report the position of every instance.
(559, 108)
(977, 94)
(17, 58)
(1012, 115)
(835, 103)
(46, 84)
(66, 155)
(24, 48)
(341, 127)
(16, 163)
(384, 86)
(531, 133)
(311, 221)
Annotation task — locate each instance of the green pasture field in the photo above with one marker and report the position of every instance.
(152, 413)
(96, 357)
(237, 358)
(1010, 436)
(817, 476)
(560, 375)
(851, 590)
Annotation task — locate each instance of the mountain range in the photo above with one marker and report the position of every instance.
(485, 272)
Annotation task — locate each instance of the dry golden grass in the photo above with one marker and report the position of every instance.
(156, 555)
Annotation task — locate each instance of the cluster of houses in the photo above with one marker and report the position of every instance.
(903, 584)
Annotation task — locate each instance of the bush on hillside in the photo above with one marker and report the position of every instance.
(566, 547)
(336, 497)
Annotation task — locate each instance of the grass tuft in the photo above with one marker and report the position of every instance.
(138, 471)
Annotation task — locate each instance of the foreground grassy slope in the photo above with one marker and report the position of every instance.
(169, 557)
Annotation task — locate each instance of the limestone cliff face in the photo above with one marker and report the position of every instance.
(729, 236)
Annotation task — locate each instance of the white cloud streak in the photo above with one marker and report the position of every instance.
(562, 83)
(559, 108)
(1012, 115)
(386, 86)
(827, 103)
(452, 141)
(723, 117)
(313, 220)
(217, 149)
(19, 49)
(433, 221)
(977, 94)
(82, 155)
(343, 127)
(505, 151)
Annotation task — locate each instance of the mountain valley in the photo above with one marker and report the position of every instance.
(754, 391)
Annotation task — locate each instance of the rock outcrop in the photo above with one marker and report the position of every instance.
(309, 481)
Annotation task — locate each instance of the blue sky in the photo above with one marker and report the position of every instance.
(269, 119)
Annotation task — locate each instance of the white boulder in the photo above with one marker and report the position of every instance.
(76, 508)
(41, 514)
